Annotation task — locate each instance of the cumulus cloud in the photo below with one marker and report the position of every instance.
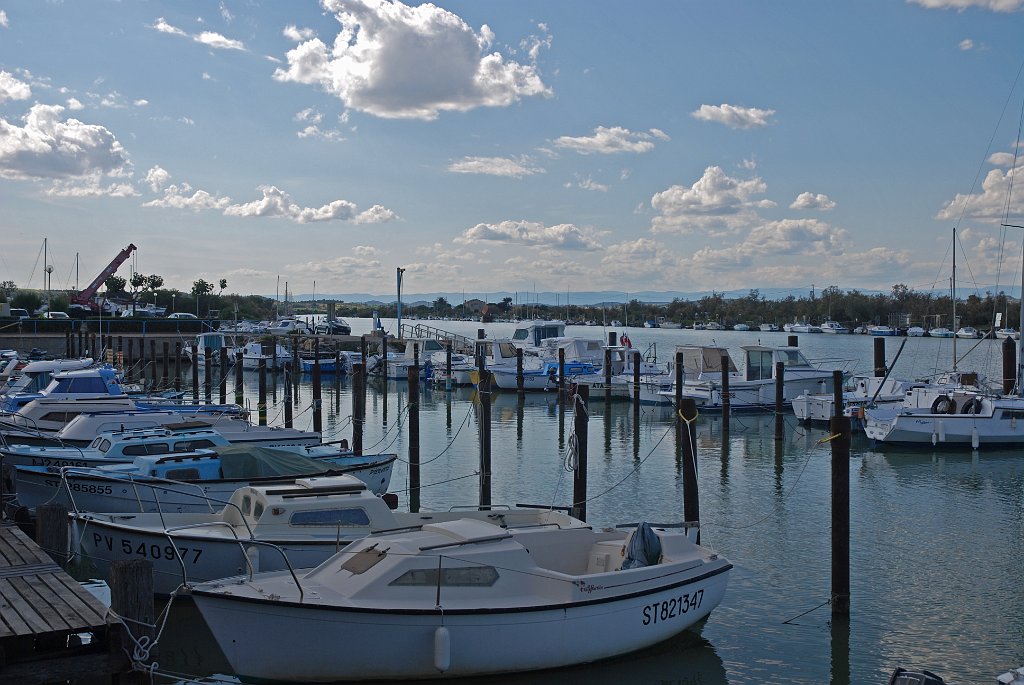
(49, 147)
(787, 237)
(733, 116)
(966, 44)
(183, 197)
(157, 178)
(13, 89)
(532, 234)
(312, 120)
(495, 166)
(1003, 159)
(714, 201)
(396, 61)
(610, 140)
(989, 205)
(277, 203)
(961, 5)
(294, 33)
(813, 201)
(208, 38)
(3, 19)
(91, 185)
(74, 104)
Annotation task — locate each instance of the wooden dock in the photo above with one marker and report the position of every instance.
(43, 614)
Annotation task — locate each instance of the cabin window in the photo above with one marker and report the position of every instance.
(146, 448)
(521, 334)
(104, 445)
(432, 346)
(462, 576)
(190, 473)
(257, 510)
(506, 350)
(759, 365)
(59, 416)
(192, 445)
(330, 517)
(792, 358)
(246, 505)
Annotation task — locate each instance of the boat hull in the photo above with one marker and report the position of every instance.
(414, 643)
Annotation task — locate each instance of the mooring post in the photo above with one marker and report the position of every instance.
(129, 374)
(636, 391)
(687, 419)
(608, 367)
(131, 598)
(165, 379)
(520, 381)
(837, 393)
(239, 376)
(448, 380)
(208, 374)
(414, 438)
(726, 395)
(195, 373)
(81, 343)
(840, 514)
(484, 395)
(792, 341)
(177, 363)
(288, 394)
(261, 403)
(879, 356)
(318, 416)
(223, 375)
(677, 386)
(296, 366)
(780, 400)
(52, 531)
(358, 402)
(581, 418)
(384, 363)
(1009, 365)
(561, 376)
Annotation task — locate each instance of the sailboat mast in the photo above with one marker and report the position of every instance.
(952, 290)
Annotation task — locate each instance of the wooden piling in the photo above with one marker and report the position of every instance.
(792, 341)
(449, 382)
(288, 394)
(414, 438)
(177, 363)
(358, 402)
(879, 356)
(1009, 365)
(52, 531)
(223, 374)
(636, 391)
(686, 417)
(780, 400)
(678, 387)
(608, 368)
(195, 373)
(208, 374)
(837, 393)
(840, 515)
(261, 406)
(131, 598)
(318, 416)
(561, 376)
(581, 401)
(726, 395)
(484, 395)
(520, 381)
(239, 377)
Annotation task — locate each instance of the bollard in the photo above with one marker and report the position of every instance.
(484, 395)
(840, 515)
(579, 475)
(239, 376)
(261, 403)
(52, 531)
(208, 375)
(879, 356)
(636, 392)
(288, 394)
(414, 438)
(520, 381)
(780, 399)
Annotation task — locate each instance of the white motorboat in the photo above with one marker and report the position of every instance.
(1004, 333)
(769, 328)
(273, 354)
(863, 391)
(713, 326)
(33, 376)
(463, 598)
(754, 387)
(834, 327)
(915, 332)
(968, 332)
(186, 481)
(940, 332)
(741, 327)
(264, 528)
(882, 329)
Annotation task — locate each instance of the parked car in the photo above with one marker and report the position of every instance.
(138, 314)
(182, 315)
(56, 315)
(79, 311)
(336, 327)
(17, 313)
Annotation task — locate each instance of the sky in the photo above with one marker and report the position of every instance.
(485, 145)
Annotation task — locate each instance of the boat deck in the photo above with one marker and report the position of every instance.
(41, 608)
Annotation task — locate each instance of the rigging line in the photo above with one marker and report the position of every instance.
(984, 157)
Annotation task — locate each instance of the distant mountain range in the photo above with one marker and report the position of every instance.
(607, 298)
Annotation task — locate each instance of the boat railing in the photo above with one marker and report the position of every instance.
(420, 330)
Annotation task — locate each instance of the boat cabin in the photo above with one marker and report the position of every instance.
(704, 362)
(532, 333)
(761, 360)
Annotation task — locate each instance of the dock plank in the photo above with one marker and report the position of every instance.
(91, 613)
(21, 608)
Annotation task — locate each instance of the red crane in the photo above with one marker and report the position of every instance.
(85, 297)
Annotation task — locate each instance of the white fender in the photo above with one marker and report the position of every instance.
(975, 441)
(442, 649)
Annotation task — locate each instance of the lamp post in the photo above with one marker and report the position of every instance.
(173, 295)
(399, 312)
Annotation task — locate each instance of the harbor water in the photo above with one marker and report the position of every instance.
(935, 535)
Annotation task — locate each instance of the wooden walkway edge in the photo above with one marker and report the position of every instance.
(43, 610)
